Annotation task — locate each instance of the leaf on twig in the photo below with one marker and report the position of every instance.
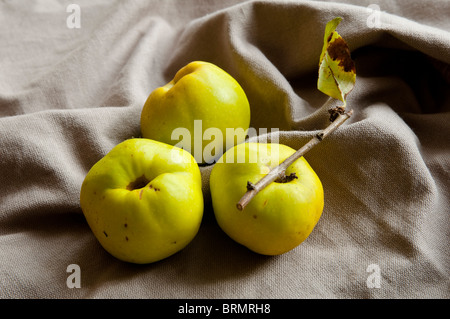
(337, 73)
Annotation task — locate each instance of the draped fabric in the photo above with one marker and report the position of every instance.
(73, 82)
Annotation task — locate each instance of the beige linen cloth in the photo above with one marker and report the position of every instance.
(68, 95)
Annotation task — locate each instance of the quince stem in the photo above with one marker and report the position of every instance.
(279, 172)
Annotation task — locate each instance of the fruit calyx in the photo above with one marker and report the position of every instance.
(286, 178)
(283, 178)
(138, 183)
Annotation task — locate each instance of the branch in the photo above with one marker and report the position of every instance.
(279, 172)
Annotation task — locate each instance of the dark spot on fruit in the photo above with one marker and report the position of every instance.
(106, 235)
(126, 238)
(174, 242)
(254, 216)
(265, 203)
(125, 225)
(154, 188)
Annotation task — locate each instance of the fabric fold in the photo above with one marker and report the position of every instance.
(68, 96)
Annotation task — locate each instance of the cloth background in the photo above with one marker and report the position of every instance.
(67, 96)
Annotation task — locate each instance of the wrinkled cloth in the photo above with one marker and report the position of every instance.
(68, 95)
